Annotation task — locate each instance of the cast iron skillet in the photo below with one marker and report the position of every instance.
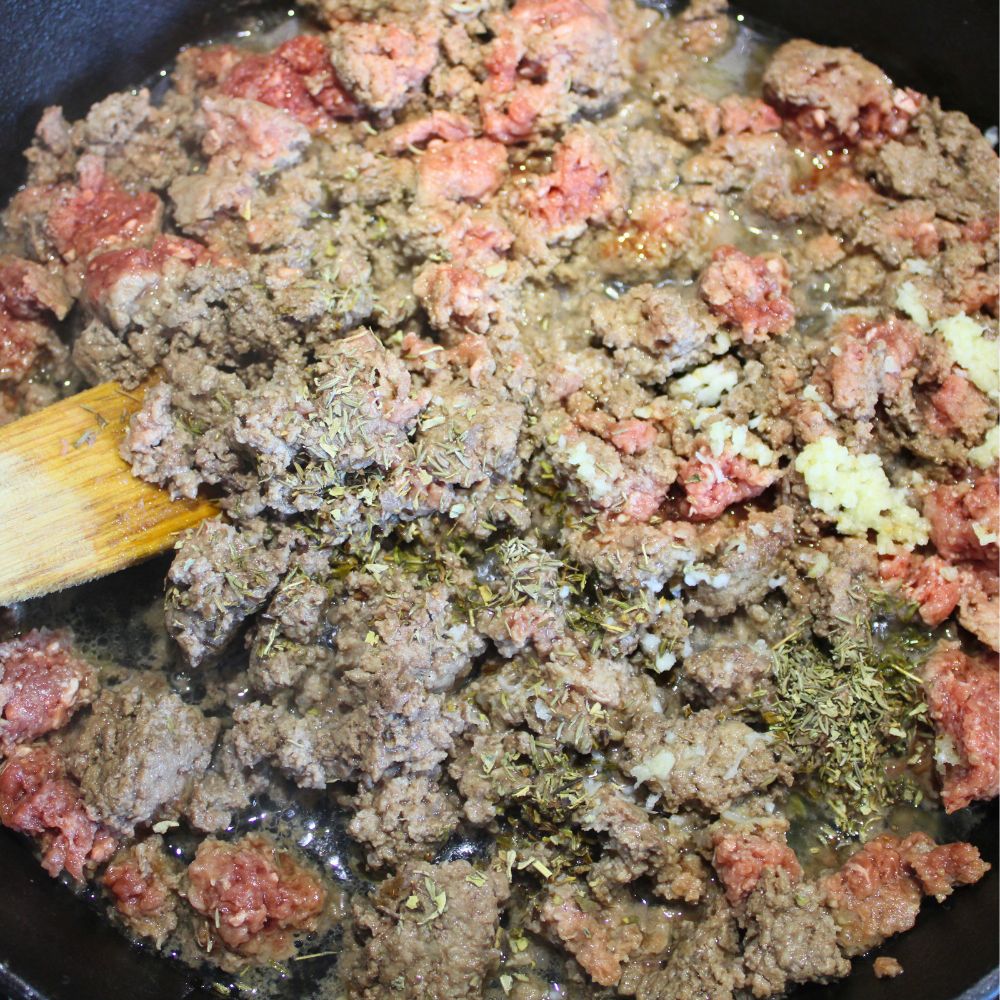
(73, 52)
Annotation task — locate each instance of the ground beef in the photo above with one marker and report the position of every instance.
(503, 335)
(963, 695)
(584, 186)
(644, 844)
(43, 683)
(442, 945)
(138, 752)
(654, 332)
(705, 962)
(142, 880)
(297, 77)
(877, 892)
(830, 95)
(571, 51)
(791, 936)
(702, 760)
(749, 293)
(382, 64)
(254, 897)
(37, 798)
(946, 164)
(728, 671)
(963, 517)
(741, 861)
(402, 818)
(216, 580)
(600, 938)
(886, 967)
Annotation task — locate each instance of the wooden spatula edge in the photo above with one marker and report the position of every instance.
(70, 508)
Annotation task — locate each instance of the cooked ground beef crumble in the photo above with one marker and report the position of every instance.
(605, 428)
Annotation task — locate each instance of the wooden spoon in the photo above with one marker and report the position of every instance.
(70, 508)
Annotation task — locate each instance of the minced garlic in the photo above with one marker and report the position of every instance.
(973, 352)
(908, 301)
(855, 490)
(724, 435)
(985, 454)
(706, 385)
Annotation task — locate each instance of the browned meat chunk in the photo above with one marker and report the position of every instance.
(701, 760)
(791, 936)
(381, 65)
(654, 332)
(138, 751)
(833, 95)
(402, 818)
(429, 932)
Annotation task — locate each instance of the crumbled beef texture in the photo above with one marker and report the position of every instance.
(142, 881)
(254, 898)
(834, 583)
(874, 361)
(642, 844)
(225, 789)
(31, 297)
(886, 967)
(742, 563)
(741, 861)
(749, 293)
(965, 519)
(381, 65)
(963, 695)
(877, 892)
(381, 699)
(704, 962)
(43, 683)
(402, 819)
(791, 936)
(654, 332)
(585, 186)
(701, 760)
(829, 96)
(441, 945)
(495, 332)
(219, 576)
(728, 671)
(39, 799)
(138, 752)
(600, 937)
(549, 60)
(944, 160)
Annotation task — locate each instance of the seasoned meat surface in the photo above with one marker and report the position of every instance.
(601, 404)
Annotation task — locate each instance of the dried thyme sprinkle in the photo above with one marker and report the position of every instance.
(848, 708)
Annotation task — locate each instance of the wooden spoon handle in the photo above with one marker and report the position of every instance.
(70, 509)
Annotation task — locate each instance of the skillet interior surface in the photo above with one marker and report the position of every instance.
(54, 946)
